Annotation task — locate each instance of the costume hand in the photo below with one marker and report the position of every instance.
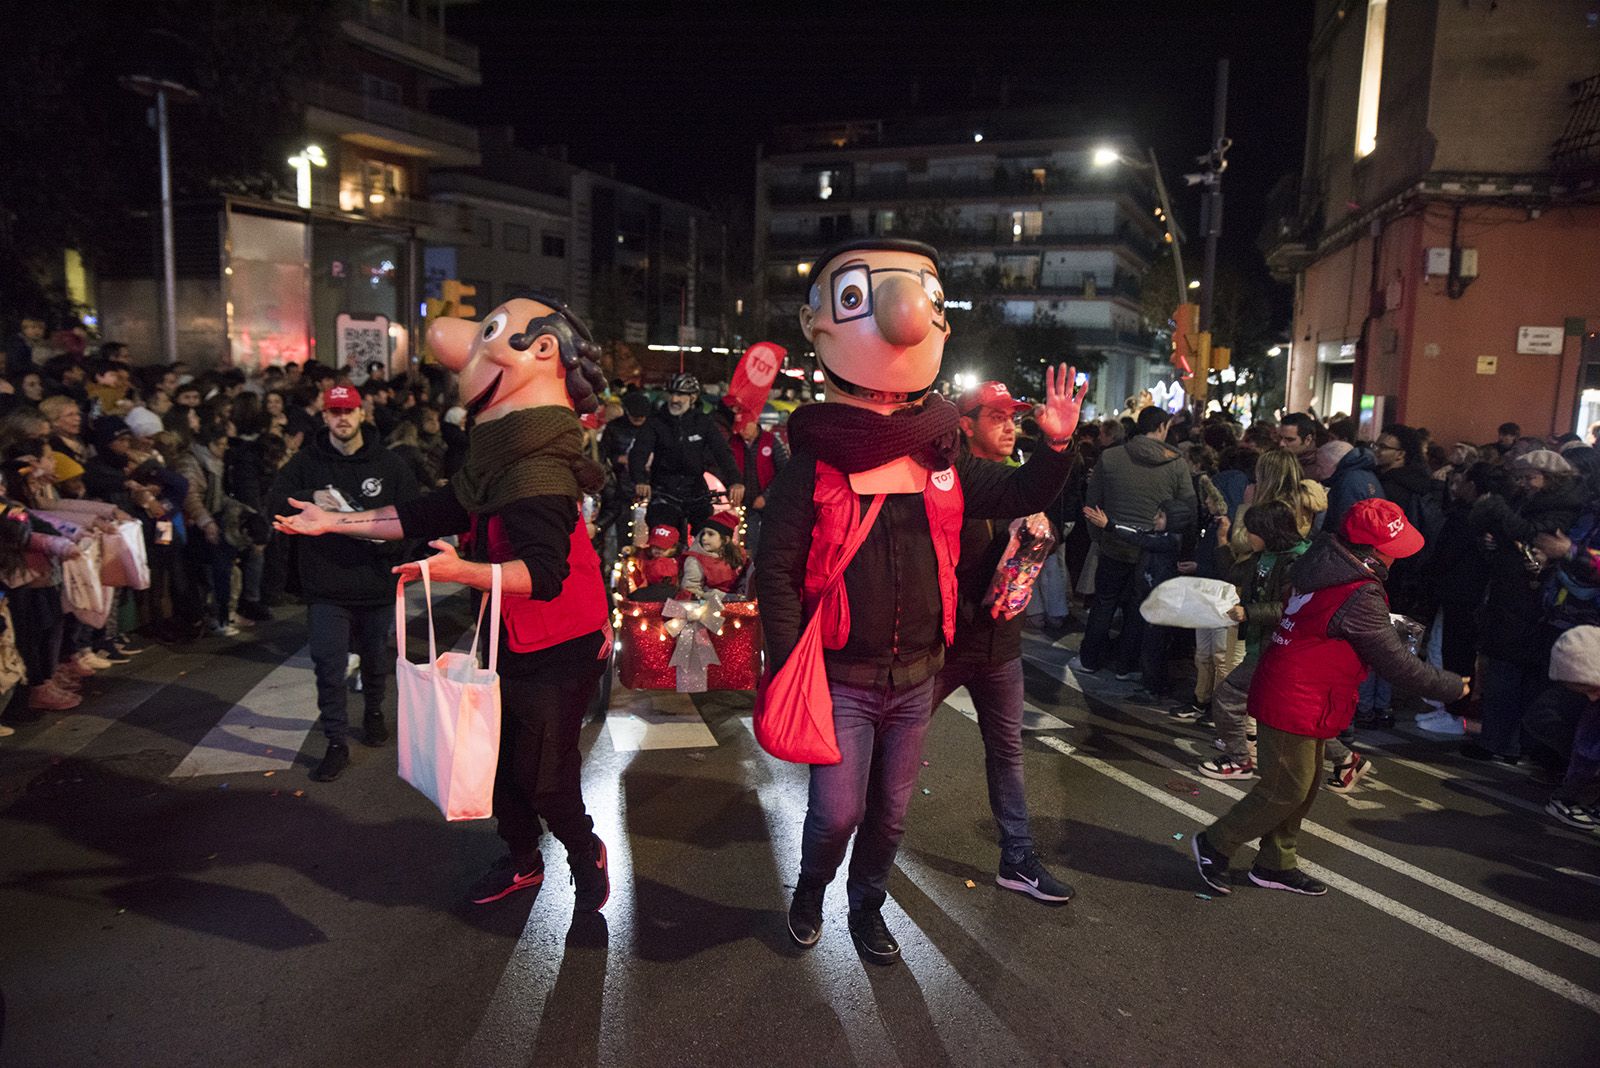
(443, 566)
(1095, 516)
(1555, 546)
(735, 495)
(1063, 402)
(311, 520)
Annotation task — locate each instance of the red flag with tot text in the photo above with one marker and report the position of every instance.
(752, 381)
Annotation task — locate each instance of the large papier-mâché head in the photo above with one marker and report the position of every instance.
(524, 354)
(876, 317)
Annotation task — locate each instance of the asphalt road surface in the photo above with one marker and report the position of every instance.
(175, 891)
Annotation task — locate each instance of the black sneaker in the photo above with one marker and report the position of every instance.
(1380, 719)
(506, 877)
(333, 762)
(1211, 864)
(1294, 880)
(591, 879)
(872, 936)
(1030, 876)
(374, 730)
(805, 914)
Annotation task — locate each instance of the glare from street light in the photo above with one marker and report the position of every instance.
(976, 137)
(1276, 350)
(1105, 156)
(1194, 283)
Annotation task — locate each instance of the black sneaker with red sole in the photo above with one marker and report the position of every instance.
(505, 878)
(591, 879)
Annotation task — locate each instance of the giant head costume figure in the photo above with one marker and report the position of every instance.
(875, 315)
(524, 354)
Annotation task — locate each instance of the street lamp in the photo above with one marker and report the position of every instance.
(164, 91)
(1109, 156)
(302, 162)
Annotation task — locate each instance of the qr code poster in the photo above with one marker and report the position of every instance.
(360, 341)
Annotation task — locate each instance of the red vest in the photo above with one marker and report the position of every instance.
(1306, 682)
(838, 513)
(719, 574)
(580, 607)
(766, 468)
(660, 569)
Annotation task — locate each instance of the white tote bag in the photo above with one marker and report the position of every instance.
(449, 713)
(82, 592)
(123, 561)
(1191, 603)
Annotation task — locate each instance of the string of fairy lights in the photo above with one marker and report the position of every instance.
(619, 599)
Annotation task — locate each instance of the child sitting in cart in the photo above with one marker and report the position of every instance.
(715, 560)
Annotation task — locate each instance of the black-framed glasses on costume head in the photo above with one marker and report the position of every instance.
(850, 290)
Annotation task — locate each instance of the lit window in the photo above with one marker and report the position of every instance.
(824, 185)
(1371, 79)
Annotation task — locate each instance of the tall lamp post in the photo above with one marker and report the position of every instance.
(1106, 156)
(165, 92)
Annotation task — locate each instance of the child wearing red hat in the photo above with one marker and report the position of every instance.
(715, 560)
(661, 555)
(1335, 629)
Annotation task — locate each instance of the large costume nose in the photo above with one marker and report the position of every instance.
(902, 310)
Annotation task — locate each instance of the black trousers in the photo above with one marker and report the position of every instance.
(540, 775)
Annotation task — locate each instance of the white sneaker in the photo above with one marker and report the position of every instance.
(6, 732)
(92, 660)
(1076, 665)
(1441, 722)
(224, 630)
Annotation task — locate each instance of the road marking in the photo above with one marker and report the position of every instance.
(1395, 864)
(265, 729)
(655, 719)
(132, 688)
(1460, 939)
(1034, 718)
(1450, 776)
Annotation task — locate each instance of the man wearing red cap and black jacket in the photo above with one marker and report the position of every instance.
(346, 582)
(1335, 629)
(986, 656)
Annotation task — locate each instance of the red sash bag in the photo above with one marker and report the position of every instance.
(794, 709)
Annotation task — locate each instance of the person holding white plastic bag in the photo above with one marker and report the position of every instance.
(525, 369)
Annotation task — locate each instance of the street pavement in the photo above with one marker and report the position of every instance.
(175, 891)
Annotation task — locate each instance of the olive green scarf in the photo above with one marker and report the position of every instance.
(529, 453)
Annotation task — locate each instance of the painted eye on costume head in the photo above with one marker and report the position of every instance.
(935, 291)
(493, 327)
(852, 287)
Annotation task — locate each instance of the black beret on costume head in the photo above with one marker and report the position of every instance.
(869, 244)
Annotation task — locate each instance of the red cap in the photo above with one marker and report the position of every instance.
(663, 537)
(1384, 526)
(340, 399)
(991, 395)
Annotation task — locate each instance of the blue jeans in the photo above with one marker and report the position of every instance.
(880, 734)
(996, 691)
(336, 632)
(1375, 694)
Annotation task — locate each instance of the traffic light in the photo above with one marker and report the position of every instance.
(1183, 326)
(1200, 354)
(457, 299)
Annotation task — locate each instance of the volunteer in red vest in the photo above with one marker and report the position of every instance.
(876, 318)
(1335, 629)
(761, 455)
(526, 368)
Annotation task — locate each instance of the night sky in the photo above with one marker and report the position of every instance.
(678, 97)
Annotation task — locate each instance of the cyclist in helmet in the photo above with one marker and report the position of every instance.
(673, 451)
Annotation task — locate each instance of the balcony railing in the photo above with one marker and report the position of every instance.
(389, 20)
(992, 282)
(1576, 153)
(337, 98)
(441, 215)
(1003, 183)
(998, 236)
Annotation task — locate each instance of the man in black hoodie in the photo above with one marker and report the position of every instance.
(346, 582)
(674, 450)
